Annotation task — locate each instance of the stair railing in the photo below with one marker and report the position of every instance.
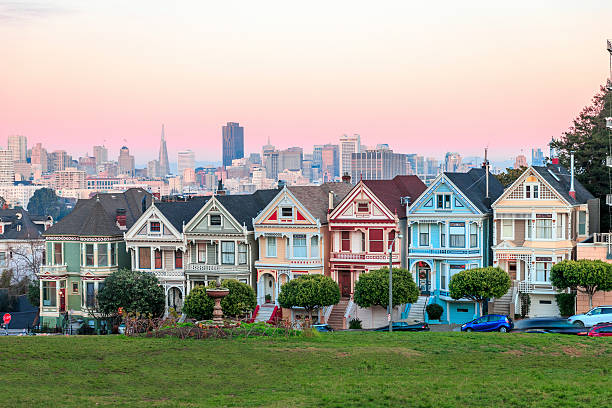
(327, 312)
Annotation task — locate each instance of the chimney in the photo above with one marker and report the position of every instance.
(220, 189)
(330, 197)
(346, 178)
(572, 192)
(486, 168)
(120, 218)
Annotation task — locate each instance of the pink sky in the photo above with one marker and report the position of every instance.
(425, 79)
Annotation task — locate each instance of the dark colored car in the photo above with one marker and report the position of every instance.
(547, 325)
(599, 330)
(323, 328)
(403, 326)
(489, 323)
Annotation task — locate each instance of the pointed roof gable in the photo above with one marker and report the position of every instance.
(19, 225)
(391, 191)
(245, 207)
(473, 186)
(179, 212)
(560, 179)
(316, 198)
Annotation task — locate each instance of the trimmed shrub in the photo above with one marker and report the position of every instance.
(434, 311)
(354, 323)
(566, 303)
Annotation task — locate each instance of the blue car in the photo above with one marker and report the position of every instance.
(323, 328)
(489, 323)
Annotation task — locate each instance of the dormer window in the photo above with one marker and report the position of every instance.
(443, 201)
(215, 220)
(363, 208)
(155, 227)
(287, 212)
(532, 190)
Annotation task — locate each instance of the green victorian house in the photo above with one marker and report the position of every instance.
(81, 250)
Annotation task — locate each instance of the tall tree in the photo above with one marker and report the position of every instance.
(372, 288)
(588, 139)
(309, 292)
(480, 284)
(584, 275)
(134, 291)
(46, 202)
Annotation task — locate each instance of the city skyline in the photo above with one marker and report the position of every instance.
(394, 82)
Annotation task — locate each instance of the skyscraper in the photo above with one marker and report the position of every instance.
(19, 146)
(126, 162)
(452, 162)
(348, 146)
(164, 165)
(520, 161)
(7, 167)
(39, 158)
(186, 160)
(377, 164)
(233, 142)
(330, 161)
(537, 157)
(101, 154)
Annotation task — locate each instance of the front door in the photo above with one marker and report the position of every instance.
(344, 281)
(512, 270)
(424, 280)
(62, 294)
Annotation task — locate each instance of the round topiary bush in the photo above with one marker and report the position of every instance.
(434, 311)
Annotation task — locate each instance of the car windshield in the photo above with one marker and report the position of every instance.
(595, 311)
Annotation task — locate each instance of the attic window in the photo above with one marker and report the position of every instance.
(286, 212)
(363, 207)
(532, 190)
(443, 201)
(155, 226)
(215, 219)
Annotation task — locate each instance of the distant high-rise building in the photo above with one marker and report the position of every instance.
(317, 156)
(255, 158)
(186, 160)
(270, 163)
(348, 146)
(290, 159)
(69, 179)
(153, 169)
(233, 142)
(452, 162)
(7, 167)
(377, 164)
(39, 159)
(87, 164)
(18, 144)
(520, 161)
(164, 165)
(58, 160)
(537, 157)
(330, 160)
(126, 162)
(101, 154)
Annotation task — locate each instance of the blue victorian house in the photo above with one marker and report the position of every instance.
(451, 230)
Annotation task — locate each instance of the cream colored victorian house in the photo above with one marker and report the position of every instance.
(537, 222)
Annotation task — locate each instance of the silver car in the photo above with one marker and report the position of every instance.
(599, 314)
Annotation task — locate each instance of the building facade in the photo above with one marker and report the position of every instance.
(233, 142)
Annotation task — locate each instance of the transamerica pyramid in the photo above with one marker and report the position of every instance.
(164, 167)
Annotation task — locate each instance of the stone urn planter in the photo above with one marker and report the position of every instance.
(217, 294)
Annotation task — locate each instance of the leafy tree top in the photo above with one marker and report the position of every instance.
(134, 291)
(510, 175)
(46, 202)
(240, 300)
(309, 292)
(585, 275)
(372, 288)
(479, 284)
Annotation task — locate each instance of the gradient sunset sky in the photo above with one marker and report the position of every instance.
(425, 77)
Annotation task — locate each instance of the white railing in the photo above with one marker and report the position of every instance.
(327, 312)
(350, 309)
(602, 238)
(364, 257)
(531, 287)
(197, 267)
(99, 270)
(53, 268)
(169, 272)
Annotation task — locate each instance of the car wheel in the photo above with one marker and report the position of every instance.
(578, 323)
(469, 329)
(503, 329)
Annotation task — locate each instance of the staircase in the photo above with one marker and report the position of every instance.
(336, 317)
(417, 310)
(265, 312)
(501, 306)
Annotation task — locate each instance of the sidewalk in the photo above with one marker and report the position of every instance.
(443, 327)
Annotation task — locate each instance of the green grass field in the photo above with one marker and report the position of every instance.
(337, 370)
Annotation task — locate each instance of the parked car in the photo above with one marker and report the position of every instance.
(599, 330)
(404, 326)
(323, 328)
(488, 323)
(599, 314)
(547, 325)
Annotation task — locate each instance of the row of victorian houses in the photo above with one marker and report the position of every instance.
(460, 221)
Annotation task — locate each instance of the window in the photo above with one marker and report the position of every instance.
(75, 288)
(215, 220)
(532, 190)
(346, 241)
(462, 310)
(271, 247)
(144, 257)
(154, 226)
(2, 259)
(442, 235)
(102, 255)
(90, 295)
(178, 259)
(49, 293)
(363, 242)
(443, 275)
(544, 229)
(443, 201)
(113, 254)
(299, 246)
(242, 254)
(211, 254)
(560, 226)
(89, 255)
(581, 222)
(363, 208)
(158, 259)
(376, 240)
(507, 229)
(227, 253)
(314, 247)
(201, 253)
(391, 241)
(58, 259)
(473, 235)
(423, 234)
(457, 235)
(286, 212)
(543, 271)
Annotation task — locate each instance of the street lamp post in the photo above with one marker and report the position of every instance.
(390, 305)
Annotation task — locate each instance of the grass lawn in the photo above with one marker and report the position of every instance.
(335, 369)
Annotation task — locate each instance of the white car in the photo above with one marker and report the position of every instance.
(599, 314)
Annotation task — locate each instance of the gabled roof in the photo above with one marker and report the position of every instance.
(473, 185)
(245, 207)
(560, 179)
(21, 226)
(391, 191)
(96, 216)
(179, 212)
(316, 198)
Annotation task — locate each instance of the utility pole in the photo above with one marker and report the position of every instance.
(390, 305)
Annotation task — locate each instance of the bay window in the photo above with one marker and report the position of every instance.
(543, 271)
(507, 231)
(242, 254)
(158, 259)
(299, 246)
(89, 255)
(376, 240)
(423, 234)
(178, 259)
(49, 289)
(271, 247)
(346, 241)
(90, 294)
(473, 235)
(314, 247)
(102, 254)
(201, 253)
(457, 235)
(544, 228)
(144, 257)
(113, 253)
(228, 256)
(58, 258)
(581, 222)
(443, 275)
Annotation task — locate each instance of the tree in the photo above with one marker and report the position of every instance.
(240, 300)
(480, 284)
(587, 138)
(198, 305)
(27, 258)
(309, 292)
(510, 175)
(372, 288)
(46, 202)
(34, 293)
(134, 291)
(585, 276)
